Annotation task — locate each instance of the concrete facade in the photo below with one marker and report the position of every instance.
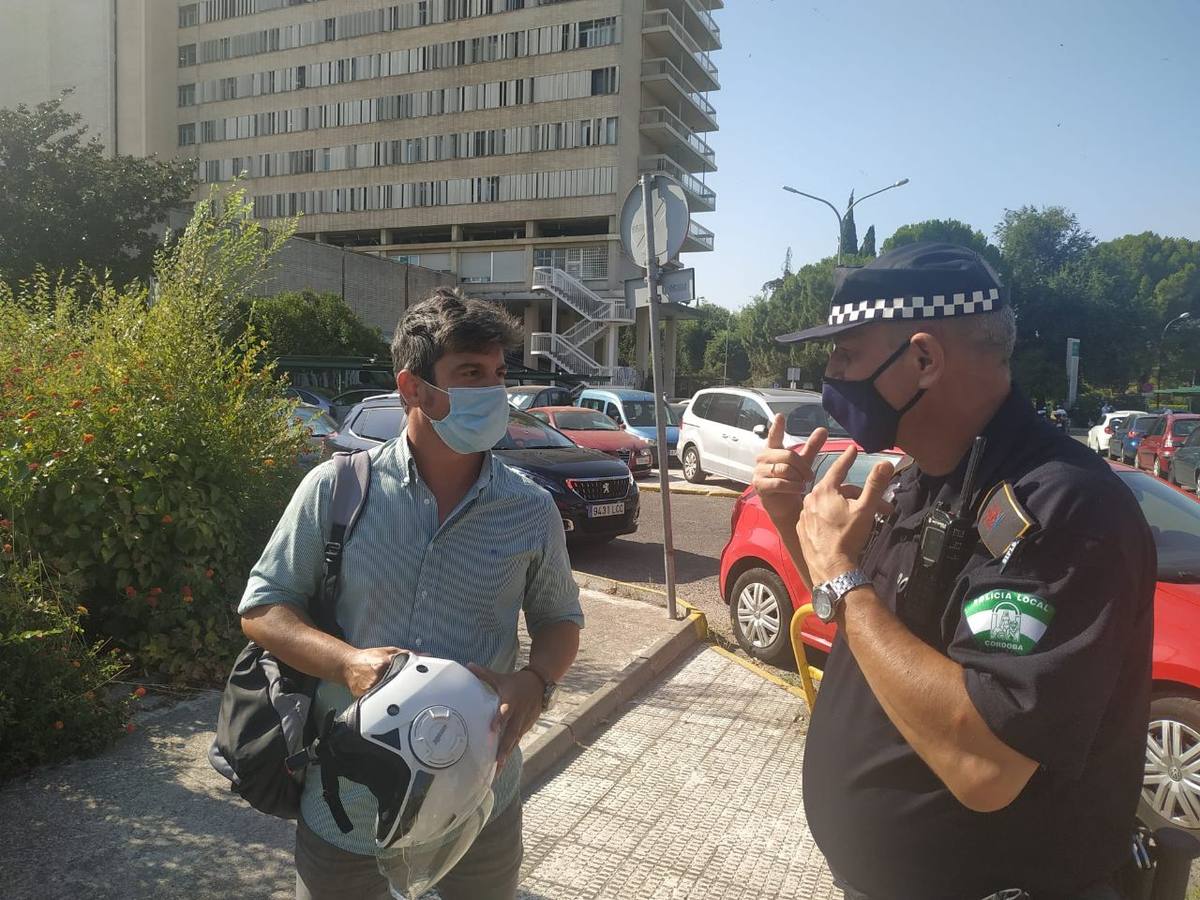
(378, 290)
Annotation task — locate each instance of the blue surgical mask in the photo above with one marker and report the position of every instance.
(478, 418)
(859, 408)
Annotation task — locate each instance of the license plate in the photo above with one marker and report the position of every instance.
(606, 509)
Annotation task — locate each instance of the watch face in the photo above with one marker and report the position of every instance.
(822, 601)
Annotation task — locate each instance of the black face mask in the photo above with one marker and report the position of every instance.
(859, 408)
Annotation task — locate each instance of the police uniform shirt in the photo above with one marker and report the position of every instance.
(1056, 648)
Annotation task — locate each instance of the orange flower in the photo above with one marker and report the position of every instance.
(75, 663)
(75, 404)
(82, 610)
(90, 695)
(268, 462)
(167, 520)
(32, 414)
(88, 438)
(96, 389)
(187, 598)
(139, 692)
(34, 466)
(155, 591)
(208, 573)
(75, 355)
(129, 728)
(186, 592)
(5, 523)
(58, 726)
(16, 370)
(113, 410)
(130, 591)
(8, 548)
(58, 454)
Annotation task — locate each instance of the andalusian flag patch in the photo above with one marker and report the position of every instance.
(1008, 620)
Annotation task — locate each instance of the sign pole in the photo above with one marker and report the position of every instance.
(660, 418)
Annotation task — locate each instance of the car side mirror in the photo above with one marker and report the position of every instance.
(760, 431)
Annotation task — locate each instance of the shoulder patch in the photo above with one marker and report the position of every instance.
(1008, 620)
(1002, 520)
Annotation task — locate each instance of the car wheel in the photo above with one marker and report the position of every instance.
(1158, 473)
(760, 611)
(691, 466)
(1171, 784)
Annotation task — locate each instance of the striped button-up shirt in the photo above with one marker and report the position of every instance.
(451, 590)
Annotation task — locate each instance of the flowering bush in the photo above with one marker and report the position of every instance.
(54, 696)
(142, 454)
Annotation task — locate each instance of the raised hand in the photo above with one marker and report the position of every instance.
(781, 477)
(837, 518)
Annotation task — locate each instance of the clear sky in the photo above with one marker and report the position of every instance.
(983, 105)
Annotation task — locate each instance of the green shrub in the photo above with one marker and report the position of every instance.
(55, 699)
(141, 454)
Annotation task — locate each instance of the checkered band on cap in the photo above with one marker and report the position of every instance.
(935, 307)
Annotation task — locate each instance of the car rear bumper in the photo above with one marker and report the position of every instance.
(578, 524)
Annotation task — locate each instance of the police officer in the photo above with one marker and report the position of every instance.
(981, 722)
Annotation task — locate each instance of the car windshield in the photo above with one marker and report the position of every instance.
(584, 420)
(1174, 520)
(522, 400)
(801, 417)
(527, 433)
(316, 421)
(1184, 427)
(1143, 424)
(640, 413)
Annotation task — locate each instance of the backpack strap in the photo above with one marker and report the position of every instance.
(351, 483)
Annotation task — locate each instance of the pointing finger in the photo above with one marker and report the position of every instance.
(775, 434)
(813, 446)
(836, 476)
(876, 484)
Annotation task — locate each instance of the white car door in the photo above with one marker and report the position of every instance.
(717, 434)
(745, 444)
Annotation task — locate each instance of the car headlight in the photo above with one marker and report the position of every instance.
(651, 442)
(542, 481)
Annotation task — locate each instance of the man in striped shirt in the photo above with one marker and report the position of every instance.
(451, 546)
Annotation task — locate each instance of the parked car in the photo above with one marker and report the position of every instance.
(725, 428)
(763, 589)
(595, 494)
(346, 400)
(592, 429)
(1099, 434)
(1160, 442)
(319, 425)
(1185, 465)
(529, 396)
(309, 396)
(634, 410)
(1124, 445)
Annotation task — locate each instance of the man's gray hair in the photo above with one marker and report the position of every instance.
(448, 321)
(988, 334)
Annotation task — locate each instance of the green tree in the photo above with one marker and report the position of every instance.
(303, 323)
(849, 232)
(1036, 243)
(64, 204)
(950, 231)
(868, 243)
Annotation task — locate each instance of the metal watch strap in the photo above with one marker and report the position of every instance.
(843, 584)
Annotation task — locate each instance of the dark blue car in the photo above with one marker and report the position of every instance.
(1125, 440)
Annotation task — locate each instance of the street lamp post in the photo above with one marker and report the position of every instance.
(840, 216)
(1162, 337)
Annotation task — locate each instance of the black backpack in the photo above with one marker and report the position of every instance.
(264, 715)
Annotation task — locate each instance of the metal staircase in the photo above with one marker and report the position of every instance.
(565, 351)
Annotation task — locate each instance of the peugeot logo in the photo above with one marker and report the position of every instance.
(607, 488)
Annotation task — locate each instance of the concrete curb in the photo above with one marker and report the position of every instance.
(600, 706)
(698, 490)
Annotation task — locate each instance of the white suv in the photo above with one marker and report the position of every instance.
(724, 429)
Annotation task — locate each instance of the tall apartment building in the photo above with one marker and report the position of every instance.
(494, 139)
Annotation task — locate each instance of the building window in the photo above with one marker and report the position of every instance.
(187, 134)
(187, 55)
(187, 95)
(604, 81)
(588, 263)
(189, 15)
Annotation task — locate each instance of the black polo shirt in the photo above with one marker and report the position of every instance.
(1072, 693)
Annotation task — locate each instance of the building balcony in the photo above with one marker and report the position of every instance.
(696, 19)
(667, 132)
(666, 37)
(699, 239)
(700, 197)
(665, 85)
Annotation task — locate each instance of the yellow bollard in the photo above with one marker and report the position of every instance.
(798, 617)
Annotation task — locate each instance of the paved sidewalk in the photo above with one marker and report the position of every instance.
(693, 792)
(151, 819)
(712, 487)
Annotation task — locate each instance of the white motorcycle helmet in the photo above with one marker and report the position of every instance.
(422, 741)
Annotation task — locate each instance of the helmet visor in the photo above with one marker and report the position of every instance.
(412, 869)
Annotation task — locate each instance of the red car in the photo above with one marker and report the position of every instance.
(1161, 441)
(762, 589)
(596, 431)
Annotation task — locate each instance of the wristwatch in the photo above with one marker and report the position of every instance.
(549, 688)
(827, 598)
